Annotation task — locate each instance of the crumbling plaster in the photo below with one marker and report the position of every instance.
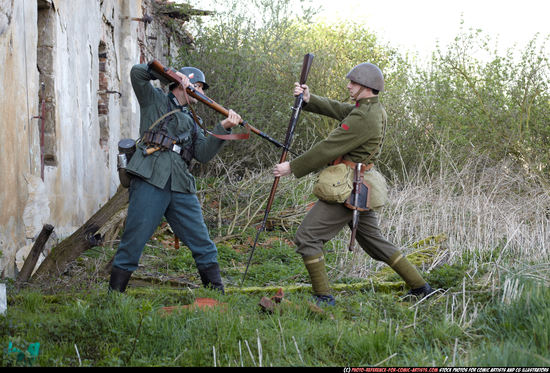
(83, 176)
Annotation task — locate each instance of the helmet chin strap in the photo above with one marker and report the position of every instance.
(355, 96)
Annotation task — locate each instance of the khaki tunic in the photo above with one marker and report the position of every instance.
(356, 138)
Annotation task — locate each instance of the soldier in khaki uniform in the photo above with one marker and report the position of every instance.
(357, 138)
(162, 184)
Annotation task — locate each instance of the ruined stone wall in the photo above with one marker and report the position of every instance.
(68, 59)
(18, 104)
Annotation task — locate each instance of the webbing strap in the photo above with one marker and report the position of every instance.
(162, 117)
(157, 122)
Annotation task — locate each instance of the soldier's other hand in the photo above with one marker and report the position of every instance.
(281, 169)
(232, 120)
(302, 89)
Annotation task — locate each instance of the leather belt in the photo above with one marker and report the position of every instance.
(364, 167)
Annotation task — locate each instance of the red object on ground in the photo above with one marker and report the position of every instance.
(202, 303)
(268, 304)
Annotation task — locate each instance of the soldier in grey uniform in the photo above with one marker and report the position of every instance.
(357, 138)
(162, 184)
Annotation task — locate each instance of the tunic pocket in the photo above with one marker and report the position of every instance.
(142, 165)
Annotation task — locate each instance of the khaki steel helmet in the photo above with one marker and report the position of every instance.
(367, 74)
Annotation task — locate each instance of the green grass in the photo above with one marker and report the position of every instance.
(518, 331)
(492, 307)
(364, 329)
(367, 327)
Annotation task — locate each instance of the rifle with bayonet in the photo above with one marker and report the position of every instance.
(171, 75)
(298, 102)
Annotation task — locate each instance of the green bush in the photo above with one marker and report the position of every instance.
(252, 68)
(469, 100)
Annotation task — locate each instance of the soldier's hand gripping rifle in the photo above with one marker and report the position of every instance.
(171, 75)
(306, 65)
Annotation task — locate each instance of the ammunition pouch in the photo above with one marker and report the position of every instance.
(126, 149)
(158, 139)
(187, 152)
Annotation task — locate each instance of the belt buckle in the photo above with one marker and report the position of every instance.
(176, 148)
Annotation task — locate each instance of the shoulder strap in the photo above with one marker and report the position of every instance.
(158, 121)
(162, 117)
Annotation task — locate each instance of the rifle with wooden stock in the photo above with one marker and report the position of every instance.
(298, 102)
(171, 75)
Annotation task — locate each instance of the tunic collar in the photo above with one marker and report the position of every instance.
(368, 100)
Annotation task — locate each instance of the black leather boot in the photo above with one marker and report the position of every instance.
(211, 277)
(421, 292)
(324, 300)
(119, 279)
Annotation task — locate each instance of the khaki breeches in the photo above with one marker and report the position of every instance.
(325, 220)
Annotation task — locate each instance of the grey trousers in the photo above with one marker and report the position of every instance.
(148, 204)
(325, 220)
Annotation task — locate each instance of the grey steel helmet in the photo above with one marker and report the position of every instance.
(367, 74)
(195, 75)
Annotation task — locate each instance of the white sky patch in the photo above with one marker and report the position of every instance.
(416, 26)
